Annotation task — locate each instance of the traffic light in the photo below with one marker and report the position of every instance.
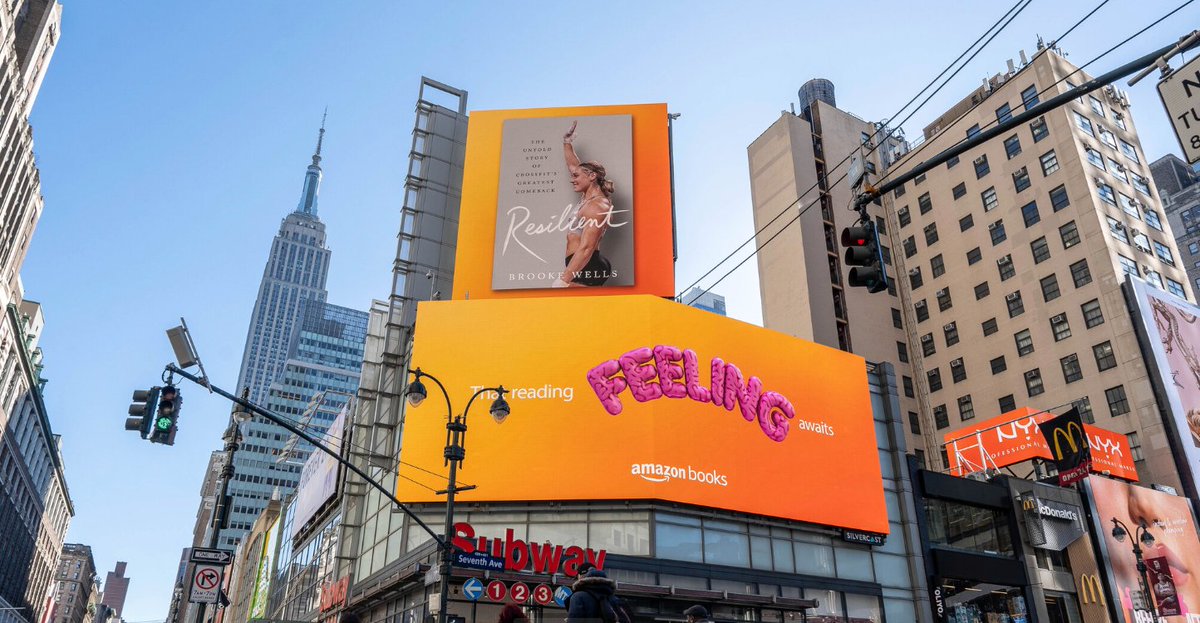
(163, 430)
(142, 410)
(864, 254)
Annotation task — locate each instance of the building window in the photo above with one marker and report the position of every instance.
(999, 365)
(982, 291)
(914, 278)
(981, 166)
(1029, 97)
(958, 371)
(1164, 253)
(1094, 157)
(1118, 170)
(902, 352)
(1118, 229)
(1153, 220)
(1049, 162)
(1040, 249)
(1060, 326)
(1033, 383)
(1141, 184)
(1084, 124)
(1118, 403)
(989, 327)
(1084, 405)
(1193, 248)
(1129, 151)
(974, 255)
(1059, 199)
(934, 377)
(1106, 359)
(1071, 370)
(910, 246)
(940, 418)
(951, 163)
(922, 310)
(1012, 146)
(937, 266)
(997, 231)
(1106, 193)
(1021, 179)
(951, 331)
(1024, 342)
(931, 235)
(1050, 289)
(1135, 447)
(1108, 138)
(943, 299)
(1080, 273)
(928, 348)
(990, 201)
(1069, 234)
(1129, 206)
(880, 225)
(1008, 403)
(1003, 113)
(1039, 129)
(1016, 306)
(924, 203)
(966, 222)
(1093, 316)
(896, 319)
(966, 410)
(1118, 120)
(914, 423)
(1007, 270)
(1097, 107)
(1176, 288)
(904, 216)
(908, 386)
(960, 190)
(973, 131)
(1128, 266)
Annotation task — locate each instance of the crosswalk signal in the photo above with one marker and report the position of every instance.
(864, 255)
(163, 429)
(141, 412)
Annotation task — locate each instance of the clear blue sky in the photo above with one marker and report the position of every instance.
(172, 138)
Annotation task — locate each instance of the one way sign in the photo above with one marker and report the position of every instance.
(211, 556)
(1180, 94)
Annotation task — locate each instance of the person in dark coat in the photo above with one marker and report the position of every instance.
(594, 599)
(512, 613)
(697, 614)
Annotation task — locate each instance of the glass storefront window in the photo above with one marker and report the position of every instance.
(968, 527)
(677, 542)
(813, 559)
(829, 606)
(760, 552)
(863, 609)
(726, 548)
(972, 602)
(626, 537)
(782, 551)
(565, 534)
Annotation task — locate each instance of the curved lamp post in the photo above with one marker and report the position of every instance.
(1141, 535)
(456, 437)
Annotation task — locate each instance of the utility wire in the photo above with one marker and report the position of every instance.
(1009, 15)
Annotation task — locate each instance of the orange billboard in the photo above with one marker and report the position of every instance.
(637, 397)
(566, 202)
(1014, 437)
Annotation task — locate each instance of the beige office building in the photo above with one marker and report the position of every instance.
(1011, 259)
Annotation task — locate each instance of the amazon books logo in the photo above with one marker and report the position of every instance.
(657, 472)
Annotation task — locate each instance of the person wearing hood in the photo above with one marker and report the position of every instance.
(594, 600)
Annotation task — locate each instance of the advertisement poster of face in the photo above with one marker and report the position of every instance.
(565, 203)
(1170, 521)
(1172, 330)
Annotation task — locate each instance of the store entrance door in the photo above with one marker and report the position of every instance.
(1061, 608)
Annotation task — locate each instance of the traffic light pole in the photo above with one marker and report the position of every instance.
(257, 410)
(1148, 60)
(233, 439)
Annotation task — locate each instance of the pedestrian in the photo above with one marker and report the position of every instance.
(348, 617)
(512, 613)
(697, 614)
(594, 600)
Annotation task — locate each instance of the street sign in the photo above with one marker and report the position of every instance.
(1180, 94)
(519, 592)
(206, 584)
(496, 590)
(543, 594)
(473, 589)
(211, 556)
(561, 595)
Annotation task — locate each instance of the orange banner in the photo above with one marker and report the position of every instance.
(566, 202)
(1014, 437)
(636, 397)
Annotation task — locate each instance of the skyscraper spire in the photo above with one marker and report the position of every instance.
(312, 177)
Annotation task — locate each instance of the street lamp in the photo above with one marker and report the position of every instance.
(454, 453)
(1142, 535)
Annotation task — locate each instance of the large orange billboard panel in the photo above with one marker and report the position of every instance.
(636, 397)
(566, 202)
(1014, 437)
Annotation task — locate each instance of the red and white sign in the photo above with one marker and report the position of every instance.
(543, 595)
(521, 556)
(496, 590)
(206, 582)
(519, 592)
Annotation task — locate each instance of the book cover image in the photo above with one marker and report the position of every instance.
(565, 203)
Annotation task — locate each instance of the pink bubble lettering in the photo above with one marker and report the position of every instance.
(639, 375)
(666, 359)
(691, 376)
(607, 386)
(774, 411)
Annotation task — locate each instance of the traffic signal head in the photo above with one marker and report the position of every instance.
(865, 257)
(164, 425)
(141, 412)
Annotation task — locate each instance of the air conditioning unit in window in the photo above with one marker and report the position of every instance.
(926, 338)
(942, 292)
(1012, 296)
(914, 271)
(994, 225)
(1007, 259)
(1058, 318)
(948, 327)
(919, 304)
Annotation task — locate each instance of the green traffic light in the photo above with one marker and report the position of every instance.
(163, 423)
